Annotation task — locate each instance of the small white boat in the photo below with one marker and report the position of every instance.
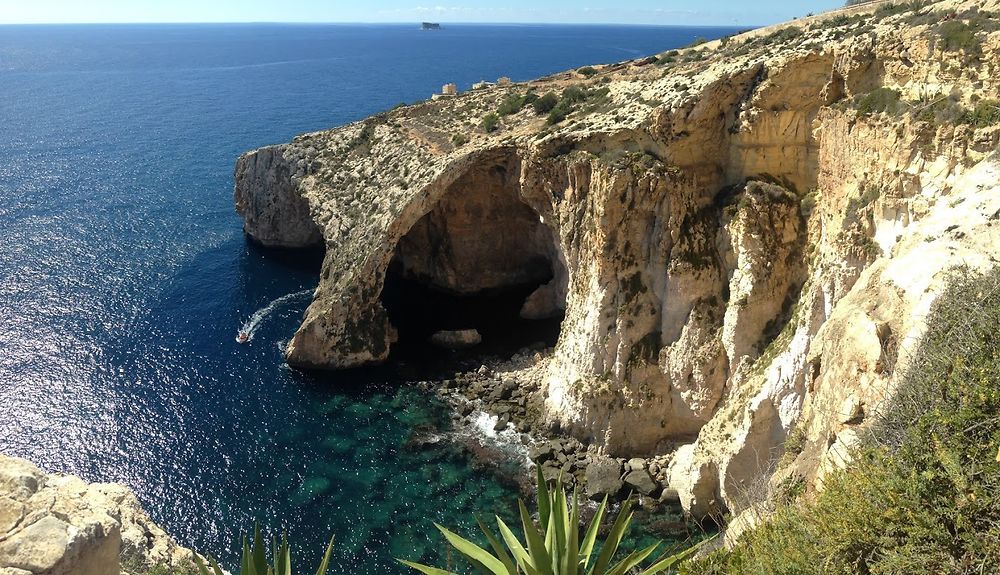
(243, 337)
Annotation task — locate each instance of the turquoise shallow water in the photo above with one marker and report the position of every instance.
(124, 276)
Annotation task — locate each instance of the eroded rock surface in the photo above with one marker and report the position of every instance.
(60, 525)
(743, 237)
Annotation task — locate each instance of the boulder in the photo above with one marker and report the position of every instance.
(457, 339)
(505, 390)
(641, 481)
(552, 472)
(636, 463)
(671, 496)
(501, 424)
(542, 453)
(604, 477)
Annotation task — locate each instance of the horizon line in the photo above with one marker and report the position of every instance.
(387, 23)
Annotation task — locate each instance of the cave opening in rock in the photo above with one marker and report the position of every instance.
(481, 259)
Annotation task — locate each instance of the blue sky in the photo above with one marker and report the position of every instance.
(688, 12)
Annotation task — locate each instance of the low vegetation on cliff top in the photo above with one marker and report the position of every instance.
(923, 495)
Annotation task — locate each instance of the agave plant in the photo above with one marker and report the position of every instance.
(254, 561)
(554, 547)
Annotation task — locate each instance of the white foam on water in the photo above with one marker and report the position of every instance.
(485, 423)
(508, 439)
(250, 326)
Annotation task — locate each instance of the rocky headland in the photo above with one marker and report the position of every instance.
(741, 238)
(56, 524)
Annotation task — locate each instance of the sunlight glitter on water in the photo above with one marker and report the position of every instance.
(124, 273)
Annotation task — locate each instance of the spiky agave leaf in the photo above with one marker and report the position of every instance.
(590, 538)
(540, 556)
(553, 546)
(668, 562)
(426, 569)
(476, 554)
(498, 548)
(282, 558)
(325, 563)
(632, 559)
(254, 559)
(543, 496)
(571, 556)
(258, 554)
(614, 539)
(521, 554)
(204, 569)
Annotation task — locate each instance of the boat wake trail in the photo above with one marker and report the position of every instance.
(248, 329)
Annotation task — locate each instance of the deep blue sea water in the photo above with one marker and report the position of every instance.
(124, 275)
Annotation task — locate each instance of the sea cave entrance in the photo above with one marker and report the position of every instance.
(481, 259)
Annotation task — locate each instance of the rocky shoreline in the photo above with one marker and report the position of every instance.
(502, 400)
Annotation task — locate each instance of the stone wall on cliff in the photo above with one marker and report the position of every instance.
(743, 238)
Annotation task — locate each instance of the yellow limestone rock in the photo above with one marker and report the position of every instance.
(60, 525)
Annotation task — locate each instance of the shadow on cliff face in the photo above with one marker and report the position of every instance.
(479, 259)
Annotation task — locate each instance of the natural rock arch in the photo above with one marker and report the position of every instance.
(479, 258)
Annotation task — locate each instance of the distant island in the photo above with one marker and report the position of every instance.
(430, 26)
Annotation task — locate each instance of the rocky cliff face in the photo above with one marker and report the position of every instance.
(60, 525)
(743, 236)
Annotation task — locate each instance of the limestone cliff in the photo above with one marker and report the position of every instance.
(743, 236)
(60, 525)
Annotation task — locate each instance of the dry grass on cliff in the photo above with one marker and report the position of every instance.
(923, 495)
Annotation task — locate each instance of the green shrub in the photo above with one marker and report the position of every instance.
(923, 493)
(882, 100)
(795, 442)
(945, 110)
(783, 35)
(985, 114)
(459, 140)
(865, 198)
(893, 8)
(560, 112)
(544, 104)
(668, 57)
(573, 94)
(697, 42)
(808, 203)
(511, 104)
(491, 122)
(254, 559)
(837, 21)
(957, 36)
(365, 134)
(554, 546)
(588, 71)
(135, 567)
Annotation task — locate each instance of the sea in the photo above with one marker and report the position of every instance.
(125, 277)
